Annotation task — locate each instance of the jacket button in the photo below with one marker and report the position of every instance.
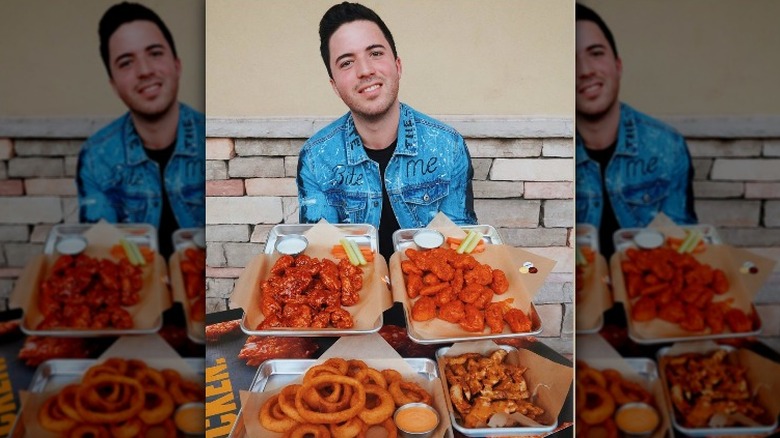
(646, 198)
(376, 203)
(426, 198)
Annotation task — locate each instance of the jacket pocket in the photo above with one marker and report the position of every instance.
(645, 194)
(350, 207)
(426, 194)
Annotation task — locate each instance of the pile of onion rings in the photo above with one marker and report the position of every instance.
(340, 398)
(119, 398)
(599, 395)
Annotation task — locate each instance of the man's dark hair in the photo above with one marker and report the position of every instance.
(346, 13)
(126, 12)
(584, 13)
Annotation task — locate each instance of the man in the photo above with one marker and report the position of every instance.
(382, 163)
(148, 166)
(630, 167)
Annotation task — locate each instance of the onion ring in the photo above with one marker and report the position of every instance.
(382, 411)
(286, 402)
(85, 430)
(131, 428)
(319, 370)
(357, 402)
(92, 415)
(158, 406)
(273, 418)
(591, 375)
(323, 403)
(117, 363)
(391, 375)
(625, 391)
(185, 391)
(604, 405)
(305, 430)
(419, 395)
(52, 417)
(354, 366)
(338, 363)
(371, 376)
(352, 428)
(66, 400)
(389, 425)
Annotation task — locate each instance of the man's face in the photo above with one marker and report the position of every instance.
(145, 74)
(365, 72)
(598, 71)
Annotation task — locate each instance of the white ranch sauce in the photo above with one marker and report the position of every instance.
(428, 239)
(291, 246)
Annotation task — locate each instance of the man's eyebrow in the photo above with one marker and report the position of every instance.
(371, 47)
(596, 46)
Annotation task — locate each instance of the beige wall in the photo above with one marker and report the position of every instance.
(51, 64)
(697, 57)
(497, 57)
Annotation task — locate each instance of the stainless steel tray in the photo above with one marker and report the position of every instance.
(485, 431)
(141, 234)
(402, 238)
(361, 234)
(275, 373)
(57, 373)
(184, 238)
(708, 431)
(588, 236)
(623, 239)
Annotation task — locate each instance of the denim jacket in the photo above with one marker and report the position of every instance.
(430, 171)
(119, 183)
(649, 173)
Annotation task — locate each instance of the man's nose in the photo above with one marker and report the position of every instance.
(583, 66)
(364, 67)
(143, 67)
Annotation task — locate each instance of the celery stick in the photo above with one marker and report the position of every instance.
(350, 252)
(129, 251)
(581, 260)
(474, 242)
(465, 243)
(361, 259)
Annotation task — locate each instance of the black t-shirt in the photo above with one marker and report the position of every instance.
(609, 223)
(168, 223)
(388, 223)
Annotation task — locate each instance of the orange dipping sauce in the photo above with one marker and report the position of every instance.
(191, 419)
(416, 419)
(637, 420)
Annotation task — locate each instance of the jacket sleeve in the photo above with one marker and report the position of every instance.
(94, 202)
(459, 204)
(679, 203)
(312, 203)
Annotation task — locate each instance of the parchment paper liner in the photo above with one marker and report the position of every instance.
(522, 287)
(374, 296)
(743, 287)
(762, 375)
(100, 238)
(371, 349)
(156, 353)
(196, 330)
(598, 354)
(595, 297)
(549, 379)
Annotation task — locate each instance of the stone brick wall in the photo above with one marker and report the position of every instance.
(523, 186)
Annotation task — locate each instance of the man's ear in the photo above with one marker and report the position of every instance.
(398, 66)
(619, 67)
(335, 90)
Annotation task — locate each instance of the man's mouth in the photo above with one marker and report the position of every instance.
(148, 89)
(370, 88)
(590, 89)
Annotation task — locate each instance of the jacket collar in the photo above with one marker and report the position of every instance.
(185, 138)
(627, 137)
(406, 138)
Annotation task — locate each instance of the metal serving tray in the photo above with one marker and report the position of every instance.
(184, 238)
(402, 238)
(362, 234)
(588, 236)
(486, 431)
(141, 234)
(708, 431)
(275, 373)
(623, 239)
(57, 373)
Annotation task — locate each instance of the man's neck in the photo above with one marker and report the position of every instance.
(160, 132)
(381, 132)
(599, 132)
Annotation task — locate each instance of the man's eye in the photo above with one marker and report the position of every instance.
(377, 53)
(157, 53)
(345, 64)
(123, 64)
